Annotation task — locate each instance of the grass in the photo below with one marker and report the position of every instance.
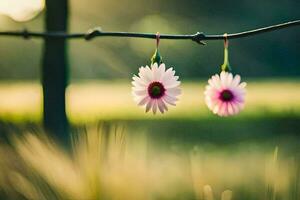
(108, 162)
(186, 154)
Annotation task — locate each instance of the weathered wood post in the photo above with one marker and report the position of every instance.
(55, 71)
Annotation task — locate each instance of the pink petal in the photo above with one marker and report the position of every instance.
(149, 105)
(144, 101)
(160, 105)
(230, 108)
(224, 109)
(154, 107)
(234, 108)
(164, 105)
(170, 100)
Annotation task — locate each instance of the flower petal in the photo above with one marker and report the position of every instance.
(170, 100)
(236, 81)
(173, 84)
(219, 83)
(173, 91)
(140, 92)
(144, 101)
(154, 106)
(168, 75)
(160, 105)
(155, 73)
(149, 105)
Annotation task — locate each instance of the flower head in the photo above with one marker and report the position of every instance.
(156, 87)
(224, 94)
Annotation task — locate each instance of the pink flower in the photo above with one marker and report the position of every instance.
(156, 87)
(225, 95)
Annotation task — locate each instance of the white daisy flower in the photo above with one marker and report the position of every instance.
(224, 94)
(156, 87)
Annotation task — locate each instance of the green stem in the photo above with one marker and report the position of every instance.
(226, 66)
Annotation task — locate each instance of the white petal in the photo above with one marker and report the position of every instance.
(170, 100)
(144, 101)
(172, 84)
(149, 105)
(173, 91)
(209, 102)
(213, 103)
(236, 81)
(139, 81)
(224, 76)
(155, 72)
(212, 94)
(164, 105)
(168, 75)
(154, 107)
(138, 85)
(217, 108)
(160, 105)
(162, 69)
(140, 92)
(143, 74)
(243, 85)
(146, 74)
(137, 99)
(229, 80)
(154, 66)
(215, 81)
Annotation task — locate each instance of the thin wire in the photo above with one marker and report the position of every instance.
(198, 37)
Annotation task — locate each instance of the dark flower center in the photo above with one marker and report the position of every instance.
(156, 90)
(226, 95)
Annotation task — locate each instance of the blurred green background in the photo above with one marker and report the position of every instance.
(100, 90)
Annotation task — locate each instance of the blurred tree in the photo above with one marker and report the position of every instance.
(55, 71)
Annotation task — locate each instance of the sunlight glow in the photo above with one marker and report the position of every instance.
(21, 10)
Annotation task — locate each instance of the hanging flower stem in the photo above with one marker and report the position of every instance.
(226, 66)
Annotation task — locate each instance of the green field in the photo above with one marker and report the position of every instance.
(89, 101)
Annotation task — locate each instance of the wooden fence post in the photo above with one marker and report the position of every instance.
(55, 72)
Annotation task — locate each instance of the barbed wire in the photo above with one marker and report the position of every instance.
(198, 37)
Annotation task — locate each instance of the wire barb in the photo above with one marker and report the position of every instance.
(26, 34)
(199, 37)
(92, 33)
